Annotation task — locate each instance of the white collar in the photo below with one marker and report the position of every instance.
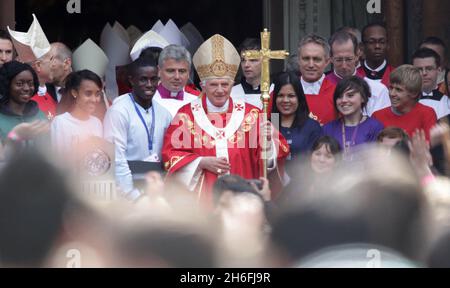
(337, 75)
(42, 90)
(312, 88)
(378, 69)
(214, 109)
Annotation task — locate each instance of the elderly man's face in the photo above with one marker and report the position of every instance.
(218, 90)
(174, 74)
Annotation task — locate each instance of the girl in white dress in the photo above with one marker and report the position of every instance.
(75, 121)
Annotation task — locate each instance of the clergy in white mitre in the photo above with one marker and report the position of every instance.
(136, 124)
(215, 134)
(174, 68)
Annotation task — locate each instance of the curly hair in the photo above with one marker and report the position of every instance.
(10, 70)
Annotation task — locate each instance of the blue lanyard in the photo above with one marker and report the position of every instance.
(152, 129)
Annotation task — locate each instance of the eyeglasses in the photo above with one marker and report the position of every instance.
(343, 59)
(427, 69)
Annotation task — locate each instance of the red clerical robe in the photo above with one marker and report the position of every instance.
(235, 135)
(46, 104)
(321, 106)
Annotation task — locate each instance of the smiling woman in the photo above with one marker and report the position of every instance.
(353, 127)
(18, 83)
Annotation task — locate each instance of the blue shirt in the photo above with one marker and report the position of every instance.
(301, 139)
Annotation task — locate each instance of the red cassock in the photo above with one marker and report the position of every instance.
(235, 134)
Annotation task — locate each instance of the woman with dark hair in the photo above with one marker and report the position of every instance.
(289, 102)
(83, 92)
(324, 155)
(352, 127)
(18, 83)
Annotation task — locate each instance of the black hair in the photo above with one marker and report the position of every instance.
(422, 53)
(233, 183)
(151, 53)
(285, 78)
(352, 83)
(250, 44)
(34, 196)
(5, 35)
(141, 62)
(433, 40)
(73, 82)
(10, 70)
(370, 25)
(332, 144)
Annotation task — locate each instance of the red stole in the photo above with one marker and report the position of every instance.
(46, 104)
(321, 106)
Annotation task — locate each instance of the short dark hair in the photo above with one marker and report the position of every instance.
(141, 62)
(422, 53)
(5, 35)
(233, 183)
(433, 40)
(250, 44)
(332, 143)
(352, 83)
(342, 37)
(370, 25)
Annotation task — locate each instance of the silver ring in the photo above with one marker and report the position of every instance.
(219, 171)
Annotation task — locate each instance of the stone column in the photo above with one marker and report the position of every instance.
(393, 11)
(7, 14)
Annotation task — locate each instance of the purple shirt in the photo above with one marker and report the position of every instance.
(365, 132)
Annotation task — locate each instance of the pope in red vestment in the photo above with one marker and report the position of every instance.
(214, 135)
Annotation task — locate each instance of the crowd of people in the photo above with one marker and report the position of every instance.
(352, 161)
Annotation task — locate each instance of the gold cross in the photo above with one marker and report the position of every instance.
(265, 54)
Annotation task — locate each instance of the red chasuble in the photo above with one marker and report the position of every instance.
(195, 133)
(46, 104)
(321, 106)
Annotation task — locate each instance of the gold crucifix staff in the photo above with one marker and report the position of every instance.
(265, 54)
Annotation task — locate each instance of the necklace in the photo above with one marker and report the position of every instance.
(347, 144)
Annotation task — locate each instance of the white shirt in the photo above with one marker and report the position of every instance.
(312, 88)
(173, 105)
(379, 98)
(67, 130)
(440, 105)
(124, 128)
(238, 93)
